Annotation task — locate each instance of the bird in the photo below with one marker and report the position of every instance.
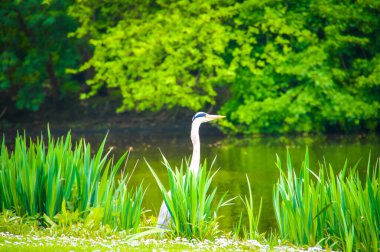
(197, 120)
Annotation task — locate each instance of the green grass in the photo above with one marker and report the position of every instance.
(340, 209)
(192, 202)
(19, 234)
(250, 231)
(253, 218)
(60, 179)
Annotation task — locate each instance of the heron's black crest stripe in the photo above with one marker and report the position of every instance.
(199, 114)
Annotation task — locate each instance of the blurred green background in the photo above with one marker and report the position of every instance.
(271, 66)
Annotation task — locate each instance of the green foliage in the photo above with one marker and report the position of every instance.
(337, 209)
(59, 178)
(310, 66)
(168, 54)
(36, 52)
(270, 66)
(66, 225)
(193, 209)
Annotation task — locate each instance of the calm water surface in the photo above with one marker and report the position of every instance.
(235, 158)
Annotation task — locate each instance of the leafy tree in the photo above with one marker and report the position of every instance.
(36, 52)
(313, 66)
(164, 55)
(289, 66)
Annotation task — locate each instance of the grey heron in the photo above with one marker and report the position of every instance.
(198, 119)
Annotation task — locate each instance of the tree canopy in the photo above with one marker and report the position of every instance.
(273, 66)
(36, 51)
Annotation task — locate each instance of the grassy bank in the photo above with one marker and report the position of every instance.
(57, 191)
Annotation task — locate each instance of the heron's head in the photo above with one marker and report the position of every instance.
(204, 117)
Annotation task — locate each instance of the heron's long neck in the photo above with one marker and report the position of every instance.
(196, 157)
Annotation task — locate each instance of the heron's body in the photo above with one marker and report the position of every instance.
(196, 157)
(198, 119)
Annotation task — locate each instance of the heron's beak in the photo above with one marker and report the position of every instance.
(214, 117)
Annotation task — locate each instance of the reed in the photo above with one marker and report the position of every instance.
(253, 218)
(354, 220)
(339, 210)
(192, 203)
(38, 178)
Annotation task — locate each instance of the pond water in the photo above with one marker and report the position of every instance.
(235, 157)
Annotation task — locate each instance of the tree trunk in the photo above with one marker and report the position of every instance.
(54, 82)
